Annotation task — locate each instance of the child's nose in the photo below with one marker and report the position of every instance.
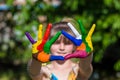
(62, 46)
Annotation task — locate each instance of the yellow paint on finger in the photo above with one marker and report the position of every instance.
(40, 31)
(88, 38)
(34, 47)
(91, 30)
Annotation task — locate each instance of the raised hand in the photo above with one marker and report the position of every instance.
(76, 40)
(84, 47)
(38, 46)
(86, 38)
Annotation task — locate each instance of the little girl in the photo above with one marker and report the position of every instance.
(66, 68)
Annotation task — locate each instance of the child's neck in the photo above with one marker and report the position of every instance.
(61, 64)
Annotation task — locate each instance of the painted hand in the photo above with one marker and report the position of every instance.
(38, 46)
(84, 46)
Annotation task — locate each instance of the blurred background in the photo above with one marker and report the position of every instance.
(19, 16)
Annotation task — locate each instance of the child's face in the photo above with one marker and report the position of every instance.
(62, 46)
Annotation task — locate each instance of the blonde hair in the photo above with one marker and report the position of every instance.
(62, 25)
(73, 22)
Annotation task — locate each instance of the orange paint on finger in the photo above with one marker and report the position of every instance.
(43, 57)
(81, 47)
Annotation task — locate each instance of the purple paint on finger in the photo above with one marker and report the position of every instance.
(29, 37)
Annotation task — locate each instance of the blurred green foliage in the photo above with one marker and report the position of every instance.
(15, 50)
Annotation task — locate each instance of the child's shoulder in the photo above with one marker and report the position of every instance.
(46, 69)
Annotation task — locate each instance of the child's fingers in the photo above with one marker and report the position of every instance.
(29, 37)
(46, 35)
(77, 54)
(69, 56)
(35, 46)
(91, 30)
(53, 57)
(88, 38)
(51, 41)
(54, 38)
(40, 33)
(77, 42)
(82, 28)
(78, 36)
(43, 57)
(47, 32)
